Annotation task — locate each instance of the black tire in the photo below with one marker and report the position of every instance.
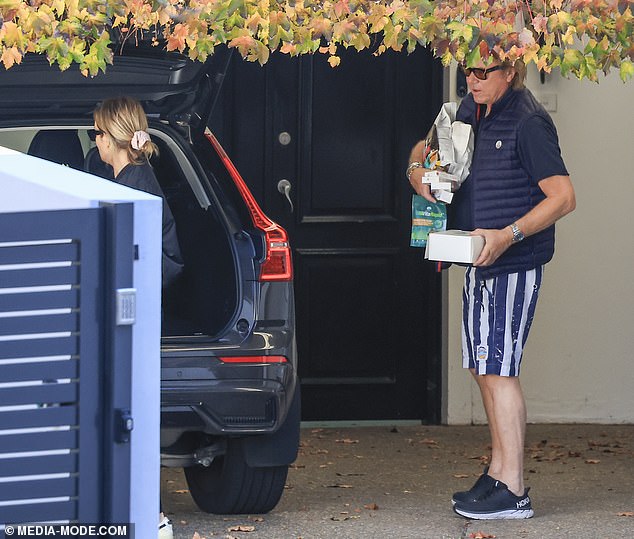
(230, 486)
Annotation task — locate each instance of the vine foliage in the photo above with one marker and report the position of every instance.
(580, 37)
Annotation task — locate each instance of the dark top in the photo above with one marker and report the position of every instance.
(516, 146)
(142, 177)
(539, 151)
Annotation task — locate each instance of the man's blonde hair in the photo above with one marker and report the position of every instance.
(121, 117)
(520, 73)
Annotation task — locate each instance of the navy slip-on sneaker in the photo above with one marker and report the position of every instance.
(498, 503)
(484, 483)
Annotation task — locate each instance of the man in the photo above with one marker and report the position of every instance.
(517, 188)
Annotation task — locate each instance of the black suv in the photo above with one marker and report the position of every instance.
(229, 394)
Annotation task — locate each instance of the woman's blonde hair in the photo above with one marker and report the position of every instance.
(122, 118)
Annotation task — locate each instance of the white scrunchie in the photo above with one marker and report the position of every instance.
(139, 139)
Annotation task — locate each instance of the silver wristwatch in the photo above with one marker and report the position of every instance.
(518, 235)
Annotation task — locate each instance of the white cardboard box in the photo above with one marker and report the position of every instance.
(454, 246)
(439, 176)
(442, 195)
(445, 186)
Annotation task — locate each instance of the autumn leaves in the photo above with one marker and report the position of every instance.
(580, 37)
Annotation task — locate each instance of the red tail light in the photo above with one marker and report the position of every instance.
(277, 265)
(253, 359)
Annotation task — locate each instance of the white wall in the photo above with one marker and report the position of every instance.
(578, 364)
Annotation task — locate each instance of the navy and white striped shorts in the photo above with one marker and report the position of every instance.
(496, 317)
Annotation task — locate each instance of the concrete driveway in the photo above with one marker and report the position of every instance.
(396, 482)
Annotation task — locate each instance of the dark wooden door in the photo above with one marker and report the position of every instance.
(368, 306)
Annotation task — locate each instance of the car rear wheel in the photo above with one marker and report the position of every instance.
(230, 486)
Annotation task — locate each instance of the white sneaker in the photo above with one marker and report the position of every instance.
(165, 530)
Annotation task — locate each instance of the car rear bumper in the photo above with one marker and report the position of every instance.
(231, 400)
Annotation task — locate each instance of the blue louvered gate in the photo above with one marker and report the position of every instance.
(64, 366)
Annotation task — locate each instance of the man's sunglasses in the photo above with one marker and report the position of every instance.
(480, 73)
(94, 133)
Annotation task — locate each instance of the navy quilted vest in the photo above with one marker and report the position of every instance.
(498, 191)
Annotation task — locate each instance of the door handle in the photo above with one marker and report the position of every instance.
(284, 187)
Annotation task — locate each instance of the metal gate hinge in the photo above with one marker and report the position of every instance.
(126, 306)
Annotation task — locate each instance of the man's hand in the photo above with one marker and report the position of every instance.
(416, 181)
(419, 153)
(495, 243)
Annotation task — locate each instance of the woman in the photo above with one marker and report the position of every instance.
(123, 142)
(120, 132)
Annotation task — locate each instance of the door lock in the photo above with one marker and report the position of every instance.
(284, 187)
(284, 138)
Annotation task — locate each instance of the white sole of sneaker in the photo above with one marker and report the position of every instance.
(509, 514)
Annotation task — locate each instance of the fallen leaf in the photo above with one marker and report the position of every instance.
(371, 506)
(181, 491)
(625, 514)
(592, 461)
(256, 519)
(241, 528)
(594, 443)
(346, 441)
(480, 535)
(460, 475)
(344, 516)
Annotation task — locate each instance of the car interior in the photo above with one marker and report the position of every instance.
(203, 299)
